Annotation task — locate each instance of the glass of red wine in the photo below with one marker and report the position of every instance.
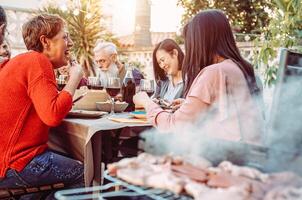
(61, 81)
(147, 86)
(113, 88)
(94, 83)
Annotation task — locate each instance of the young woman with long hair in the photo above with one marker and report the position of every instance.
(219, 84)
(167, 62)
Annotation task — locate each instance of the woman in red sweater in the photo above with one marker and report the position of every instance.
(30, 103)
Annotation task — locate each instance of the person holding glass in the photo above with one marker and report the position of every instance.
(62, 74)
(167, 63)
(31, 104)
(220, 85)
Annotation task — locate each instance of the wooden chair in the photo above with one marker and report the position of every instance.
(15, 193)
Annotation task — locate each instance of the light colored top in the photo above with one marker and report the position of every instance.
(218, 103)
(166, 90)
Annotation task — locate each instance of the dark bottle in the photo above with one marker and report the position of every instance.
(128, 89)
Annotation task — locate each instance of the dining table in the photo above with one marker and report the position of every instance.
(81, 138)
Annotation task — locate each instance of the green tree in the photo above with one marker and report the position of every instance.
(284, 30)
(246, 16)
(83, 23)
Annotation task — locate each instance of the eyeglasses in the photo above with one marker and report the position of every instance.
(100, 61)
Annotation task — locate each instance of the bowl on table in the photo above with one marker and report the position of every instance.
(88, 101)
(106, 106)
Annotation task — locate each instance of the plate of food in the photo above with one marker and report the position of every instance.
(106, 106)
(85, 114)
(139, 114)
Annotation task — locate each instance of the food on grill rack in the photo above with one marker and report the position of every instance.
(159, 176)
(203, 192)
(243, 171)
(190, 171)
(144, 158)
(227, 181)
(148, 170)
(224, 180)
(284, 193)
(165, 180)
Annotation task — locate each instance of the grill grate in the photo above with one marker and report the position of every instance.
(127, 190)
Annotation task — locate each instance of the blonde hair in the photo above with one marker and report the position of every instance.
(44, 24)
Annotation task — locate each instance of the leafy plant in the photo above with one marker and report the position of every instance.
(246, 16)
(83, 23)
(284, 30)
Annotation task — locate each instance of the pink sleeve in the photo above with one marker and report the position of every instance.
(201, 95)
(166, 121)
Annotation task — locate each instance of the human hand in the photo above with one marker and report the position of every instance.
(76, 71)
(155, 100)
(176, 103)
(141, 99)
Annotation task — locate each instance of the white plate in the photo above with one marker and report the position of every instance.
(85, 114)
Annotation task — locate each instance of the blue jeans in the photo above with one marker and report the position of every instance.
(45, 169)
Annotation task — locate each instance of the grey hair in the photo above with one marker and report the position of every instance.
(109, 47)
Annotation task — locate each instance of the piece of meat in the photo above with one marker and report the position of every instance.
(196, 189)
(243, 171)
(126, 162)
(232, 193)
(226, 180)
(189, 171)
(134, 176)
(166, 181)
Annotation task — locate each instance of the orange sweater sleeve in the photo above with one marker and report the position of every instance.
(51, 106)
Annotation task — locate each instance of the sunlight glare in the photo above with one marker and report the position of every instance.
(124, 15)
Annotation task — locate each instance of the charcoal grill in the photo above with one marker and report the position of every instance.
(125, 190)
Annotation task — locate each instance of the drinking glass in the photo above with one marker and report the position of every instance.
(147, 86)
(94, 83)
(113, 87)
(61, 81)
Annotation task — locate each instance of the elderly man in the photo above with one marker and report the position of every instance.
(105, 55)
(3, 23)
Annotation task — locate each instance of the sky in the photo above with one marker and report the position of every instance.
(165, 15)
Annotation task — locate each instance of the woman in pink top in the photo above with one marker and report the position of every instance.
(219, 85)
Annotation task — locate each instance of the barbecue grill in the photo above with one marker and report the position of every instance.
(126, 190)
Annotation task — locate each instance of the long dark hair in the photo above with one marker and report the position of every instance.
(168, 45)
(209, 34)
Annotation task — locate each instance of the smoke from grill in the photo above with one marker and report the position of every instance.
(280, 145)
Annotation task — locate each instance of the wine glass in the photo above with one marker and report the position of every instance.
(94, 83)
(61, 81)
(113, 87)
(147, 86)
